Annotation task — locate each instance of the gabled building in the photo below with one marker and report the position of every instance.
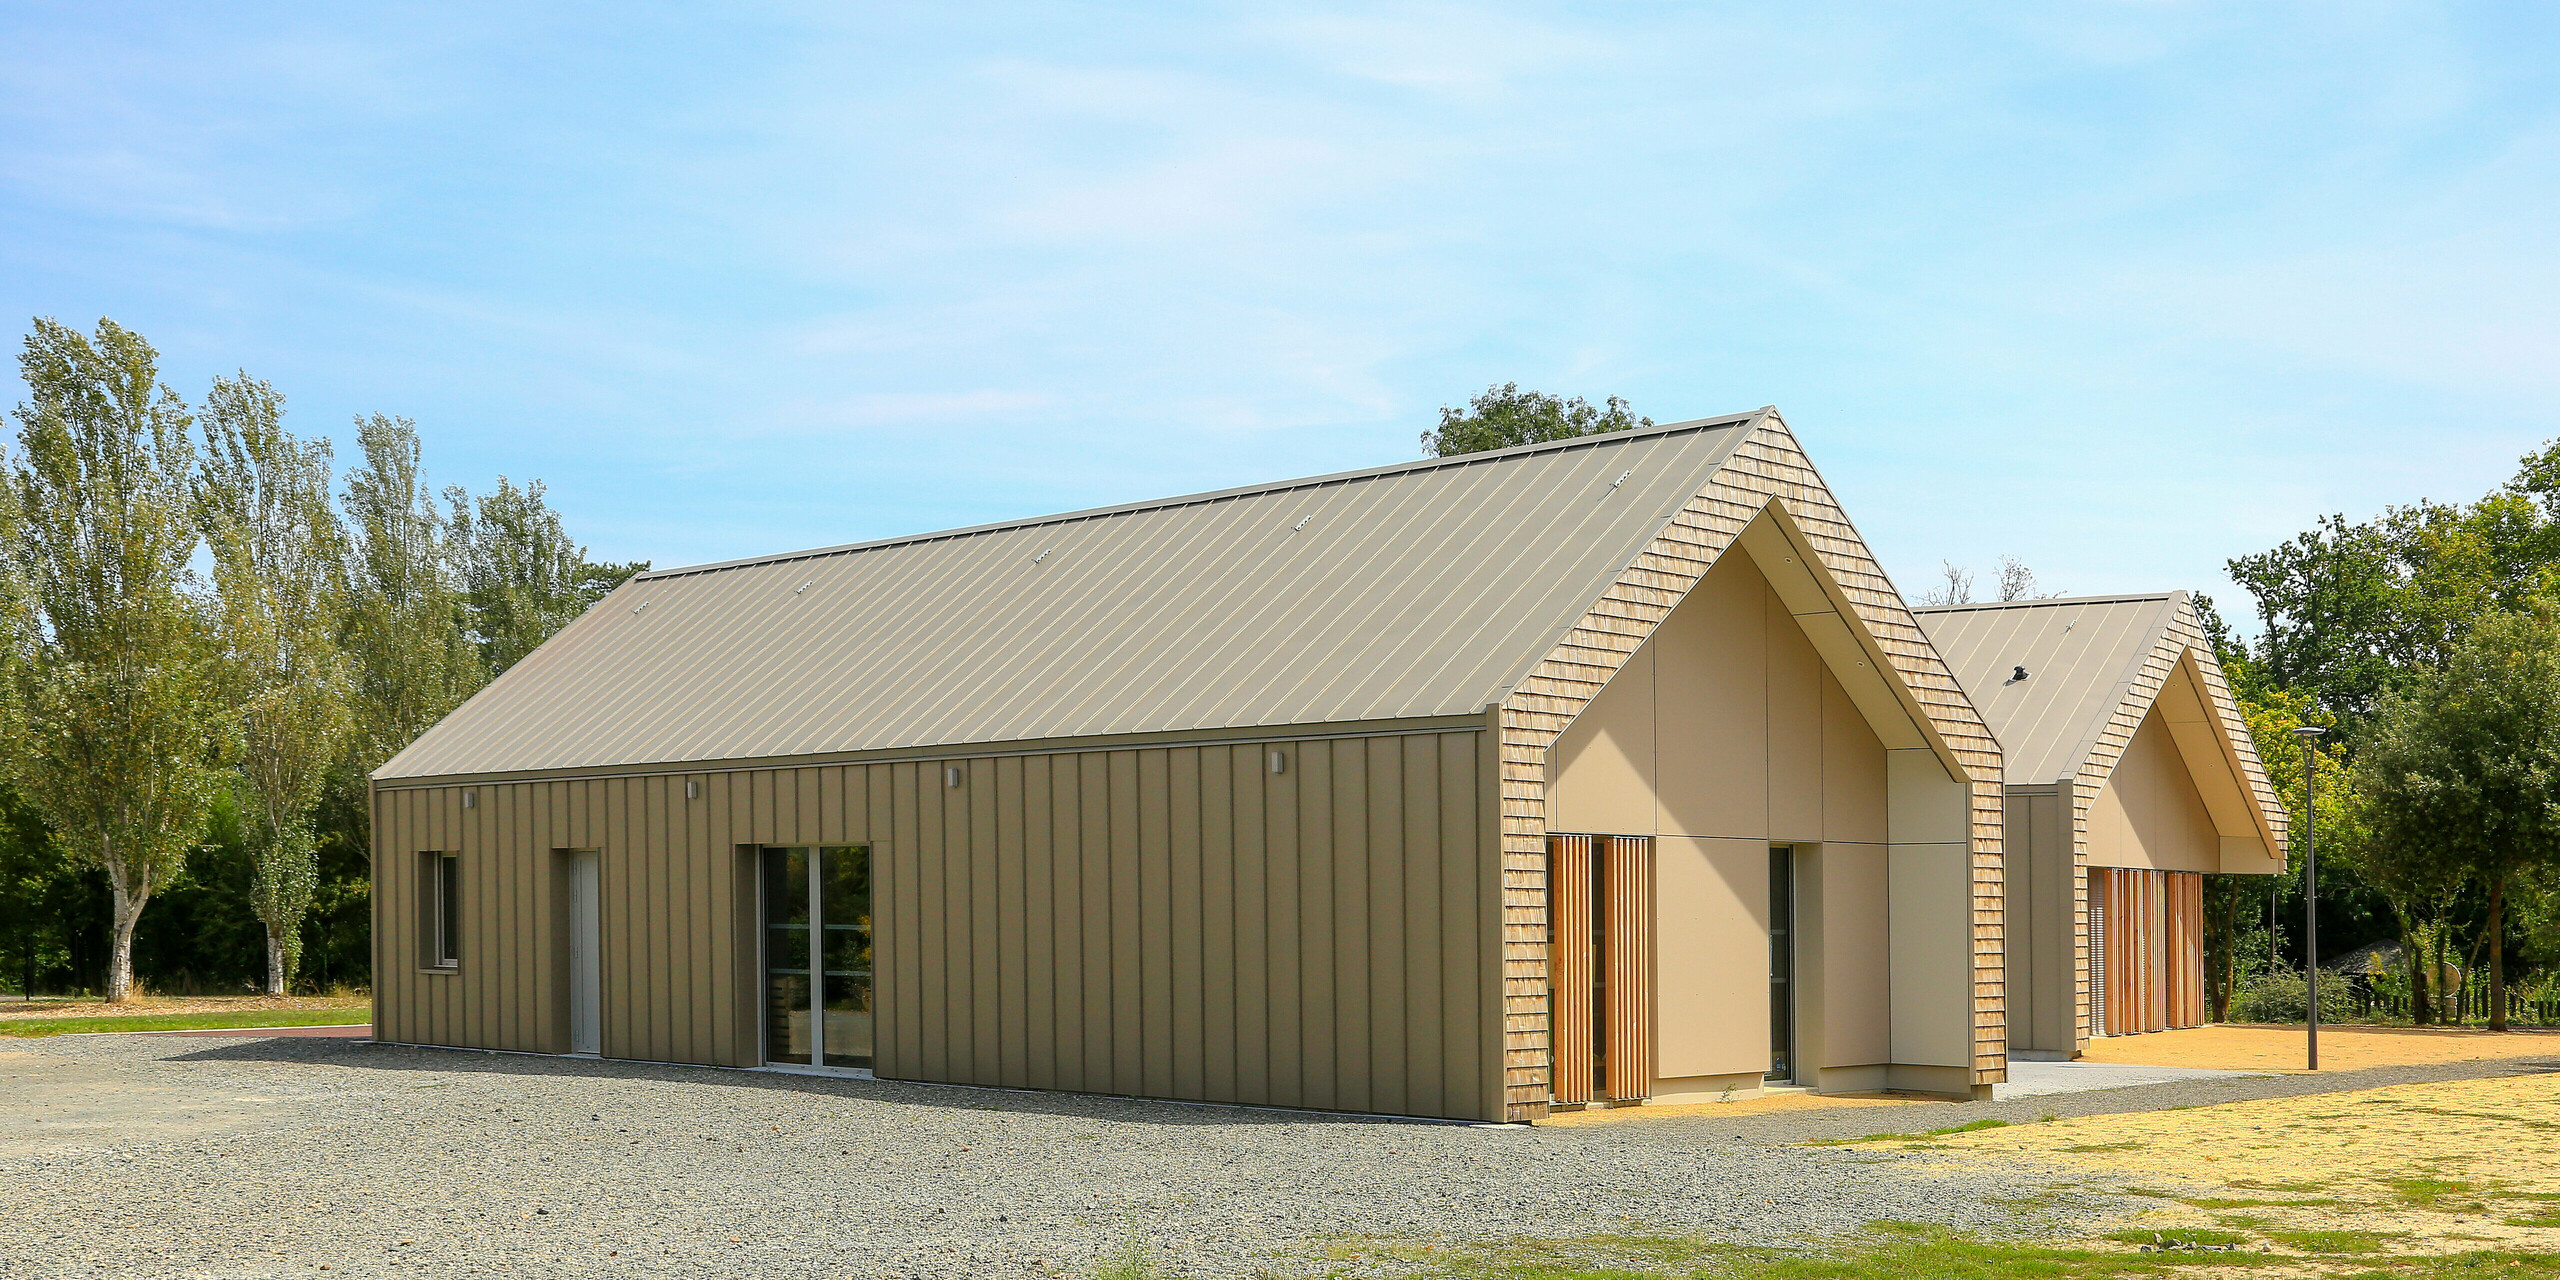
(2130, 777)
(1596, 771)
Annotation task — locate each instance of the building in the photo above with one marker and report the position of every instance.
(1593, 771)
(2130, 777)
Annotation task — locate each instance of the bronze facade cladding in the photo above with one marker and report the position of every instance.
(1175, 922)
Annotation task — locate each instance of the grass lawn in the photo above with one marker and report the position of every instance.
(245, 1018)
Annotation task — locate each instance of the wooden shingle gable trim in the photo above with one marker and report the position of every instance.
(1767, 471)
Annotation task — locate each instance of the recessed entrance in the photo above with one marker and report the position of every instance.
(817, 956)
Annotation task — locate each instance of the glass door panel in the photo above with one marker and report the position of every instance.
(789, 1036)
(844, 903)
(817, 956)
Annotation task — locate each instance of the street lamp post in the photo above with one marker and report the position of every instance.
(2310, 900)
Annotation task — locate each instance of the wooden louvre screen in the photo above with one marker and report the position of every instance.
(1626, 1046)
(1600, 967)
(1570, 975)
(2146, 968)
(2186, 943)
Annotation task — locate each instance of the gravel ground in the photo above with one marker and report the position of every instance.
(133, 1155)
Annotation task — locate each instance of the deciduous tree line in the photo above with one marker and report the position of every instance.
(2427, 640)
(210, 633)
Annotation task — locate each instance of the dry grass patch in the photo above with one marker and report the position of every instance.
(2406, 1169)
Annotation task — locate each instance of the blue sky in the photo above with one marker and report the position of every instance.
(2120, 289)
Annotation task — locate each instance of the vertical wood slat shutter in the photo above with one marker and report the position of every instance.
(1627, 1044)
(2098, 966)
(1570, 973)
(2146, 950)
(2186, 948)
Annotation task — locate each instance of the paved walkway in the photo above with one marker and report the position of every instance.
(2042, 1079)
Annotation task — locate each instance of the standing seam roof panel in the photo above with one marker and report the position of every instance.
(1415, 591)
(2081, 657)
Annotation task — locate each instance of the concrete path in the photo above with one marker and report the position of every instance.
(2042, 1079)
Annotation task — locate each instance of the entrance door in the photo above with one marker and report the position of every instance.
(1782, 964)
(817, 956)
(586, 962)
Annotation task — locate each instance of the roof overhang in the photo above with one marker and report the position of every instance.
(1821, 606)
(2207, 741)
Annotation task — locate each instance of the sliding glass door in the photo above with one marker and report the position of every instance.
(817, 956)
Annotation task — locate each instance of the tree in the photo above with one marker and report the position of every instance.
(1955, 586)
(2352, 610)
(522, 578)
(120, 739)
(2466, 761)
(404, 627)
(2018, 582)
(1506, 415)
(278, 565)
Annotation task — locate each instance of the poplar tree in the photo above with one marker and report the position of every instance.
(523, 578)
(404, 609)
(118, 733)
(278, 564)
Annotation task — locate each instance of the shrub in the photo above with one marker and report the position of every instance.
(2278, 995)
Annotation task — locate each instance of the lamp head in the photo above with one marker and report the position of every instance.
(2308, 733)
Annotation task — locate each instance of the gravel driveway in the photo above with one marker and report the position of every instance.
(256, 1157)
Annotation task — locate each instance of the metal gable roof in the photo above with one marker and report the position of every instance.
(1424, 589)
(2081, 654)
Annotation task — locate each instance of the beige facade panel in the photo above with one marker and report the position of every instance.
(2149, 813)
(1177, 922)
(1844, 918)
(1418, 590)
(1725, 724)
(1711, 942)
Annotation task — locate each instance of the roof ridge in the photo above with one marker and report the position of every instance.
(1221, 495)
(2047, 601)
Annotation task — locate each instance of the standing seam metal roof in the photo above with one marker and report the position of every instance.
(1425, 589)
(2081, 654)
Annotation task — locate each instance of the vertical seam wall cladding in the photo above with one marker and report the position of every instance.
(1182, 921)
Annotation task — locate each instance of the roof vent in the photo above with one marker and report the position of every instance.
(1300, 525)
(2017, 674)
(804, 586)
(1044, 554)
(1622, 477)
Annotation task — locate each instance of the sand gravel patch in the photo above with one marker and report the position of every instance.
(2280, 1049)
